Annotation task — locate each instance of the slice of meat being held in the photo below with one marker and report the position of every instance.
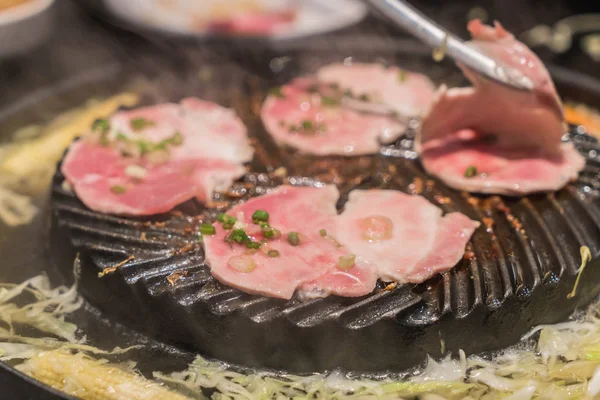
(493, 139)
(405, 236)
(346, 110)
(287, 248)
(148, 160)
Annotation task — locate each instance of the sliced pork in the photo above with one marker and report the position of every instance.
(407, 93)
(493, 139)
(147, 161)
(402, 234)
(284, 263)
(310, 117)
(381, 234)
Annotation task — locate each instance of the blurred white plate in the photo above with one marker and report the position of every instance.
(25, 26)
(181, 16)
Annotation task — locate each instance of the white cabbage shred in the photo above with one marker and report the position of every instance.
(560, 361)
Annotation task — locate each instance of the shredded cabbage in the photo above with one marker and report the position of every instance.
(563, 362)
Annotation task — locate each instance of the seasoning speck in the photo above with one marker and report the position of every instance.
(323, 232)
(402, 75)
(118, 189)
(138, 124)
(276, 91)
(293, 238)
(273, 253)
(347, 261)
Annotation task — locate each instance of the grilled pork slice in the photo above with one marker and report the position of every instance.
(511, 140)
(310, 117)
(453, 232)
(409, 94)
(147, 161)
(288, 250)
(405, 236)
(476, 166)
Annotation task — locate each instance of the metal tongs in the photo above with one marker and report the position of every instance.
(429, 32)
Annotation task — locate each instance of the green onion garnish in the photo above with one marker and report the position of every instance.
(293, 129)
(238, 236)
(207, 229)
(273, 253)
(293, 238)
(101, 125)
(260, 216)
(227, 225)
(471, 171)
(329, 101)
(138, 124)
(347, 261)
(307, 125)
(272, 233)
(176, 139)
(402, 75)
(252, 245)
(118, 189)
(221, 217)
(276, 91)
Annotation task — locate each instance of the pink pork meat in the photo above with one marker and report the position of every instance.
(407, 93)
(296, 256)
(493, 139)
(147, 161)
(310, 117)
(405, 236)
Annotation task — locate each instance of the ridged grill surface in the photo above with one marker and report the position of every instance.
(523, 263)
(523, 244)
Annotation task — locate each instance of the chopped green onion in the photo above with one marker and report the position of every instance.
(221, 217)
(207, 229)
(470, 172)
(252, 245)
(176, 139)
(402, 75)
(313, 89)
(272, 233)
(293, 238)
(118, 189)
(276, 91)
(101, 125)
(363, 97)
(347, 261)
(138, 124)
(260, 215)
(329, 101)
(227, 225)
(323, 232)
(273, 253)
(238, 236)
(307, 125)
(121, 136)
(293, 129)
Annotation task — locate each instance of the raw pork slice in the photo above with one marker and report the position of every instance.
(149, 160)
(500, 169)
(302, 210)
(453, 233)
(310, 117)
(399, 233)
(408, 93)
(493, 139)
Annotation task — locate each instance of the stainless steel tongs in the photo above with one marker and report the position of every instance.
(429, 32)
